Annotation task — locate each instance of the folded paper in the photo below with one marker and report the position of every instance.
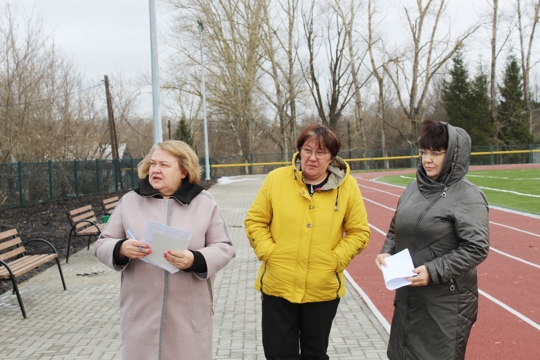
(398, 267)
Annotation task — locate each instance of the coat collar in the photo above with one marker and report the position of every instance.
(184, 195)
(337, 170)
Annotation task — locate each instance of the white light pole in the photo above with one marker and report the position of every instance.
(158, 131)
(206, 156)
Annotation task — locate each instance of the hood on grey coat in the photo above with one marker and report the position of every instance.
(456, 162)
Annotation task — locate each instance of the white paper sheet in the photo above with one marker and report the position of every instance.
(399, 266)
(162, 238)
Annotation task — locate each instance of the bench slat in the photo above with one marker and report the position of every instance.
(86, 216)
(9, 243)
(8, 233)
(25, 264)
(12, 253)
(109, 204)
(77, 211)
(91, 230)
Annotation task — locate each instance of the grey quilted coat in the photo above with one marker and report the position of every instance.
(444, 224)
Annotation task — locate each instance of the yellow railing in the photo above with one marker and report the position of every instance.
(381, 158)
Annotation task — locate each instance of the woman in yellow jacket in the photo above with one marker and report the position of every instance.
(306, 224)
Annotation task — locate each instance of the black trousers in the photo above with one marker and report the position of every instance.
(296, 331)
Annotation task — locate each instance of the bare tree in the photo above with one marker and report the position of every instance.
(413, 70)
(340, 88)
(280, 52)
(493, 75)
(378, 72)
(526, 50)
(232, 31)
(46, 110)
(356, 60)
(40, 94)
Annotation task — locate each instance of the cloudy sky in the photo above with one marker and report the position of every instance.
(103, 37)
(112, 36)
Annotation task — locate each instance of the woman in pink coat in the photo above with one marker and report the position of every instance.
(167, 315)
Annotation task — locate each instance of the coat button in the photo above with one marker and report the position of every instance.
(309, 226)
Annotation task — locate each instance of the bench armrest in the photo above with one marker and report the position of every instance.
(41, 240)
(84, 220)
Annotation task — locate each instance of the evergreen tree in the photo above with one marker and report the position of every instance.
(512, 110)
(467, 104)
(482, 130)
(456, 93)
(183, 132)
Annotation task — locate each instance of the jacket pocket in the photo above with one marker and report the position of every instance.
(201, 305)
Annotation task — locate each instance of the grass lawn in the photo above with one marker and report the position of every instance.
(511, 189)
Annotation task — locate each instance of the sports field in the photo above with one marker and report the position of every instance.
(517, 189)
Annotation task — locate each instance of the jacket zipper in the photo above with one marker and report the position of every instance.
(262, 277)
(339, 286)
(442, 195)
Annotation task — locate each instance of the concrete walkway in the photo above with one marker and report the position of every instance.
(83, 322)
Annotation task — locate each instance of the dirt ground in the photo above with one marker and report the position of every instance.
(49, 221)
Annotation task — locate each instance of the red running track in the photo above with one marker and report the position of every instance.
(508, 325)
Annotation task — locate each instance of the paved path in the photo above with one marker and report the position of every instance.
(83, 322)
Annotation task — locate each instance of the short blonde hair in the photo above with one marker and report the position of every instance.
(187, 159)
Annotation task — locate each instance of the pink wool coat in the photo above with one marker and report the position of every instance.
(167, 316)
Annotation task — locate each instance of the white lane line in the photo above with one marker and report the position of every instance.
(508, 191)
(513, 257)
(515, 229)
(376, 203)
(385, 323)
(369, 303)
(491, 222)
(491, 247)
(379, 190)
(511, 310)
(502, 177)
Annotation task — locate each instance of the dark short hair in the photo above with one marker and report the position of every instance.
(323, 135)
(434, 135)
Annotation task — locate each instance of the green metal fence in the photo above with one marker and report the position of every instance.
(35, 182)
(24, 184)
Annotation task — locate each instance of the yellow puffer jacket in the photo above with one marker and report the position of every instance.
(306, 242)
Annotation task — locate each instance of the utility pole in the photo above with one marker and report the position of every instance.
(112, 127)
(158, 131)
(206, 152)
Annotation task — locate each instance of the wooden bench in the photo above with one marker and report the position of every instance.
(109, 204)
(14, 262)
(84, 223)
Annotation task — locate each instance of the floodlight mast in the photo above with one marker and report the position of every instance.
(158, 131)
(206, 153)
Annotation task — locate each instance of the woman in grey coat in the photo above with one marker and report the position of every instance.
(442, 219)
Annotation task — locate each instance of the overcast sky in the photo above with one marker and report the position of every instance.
(103, 37)
(111, 36)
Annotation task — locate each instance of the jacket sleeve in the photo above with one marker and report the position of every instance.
(218, 250)
(389, 246)
(257, 222)
(472, 229)
(355, 227)
(111, 235)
